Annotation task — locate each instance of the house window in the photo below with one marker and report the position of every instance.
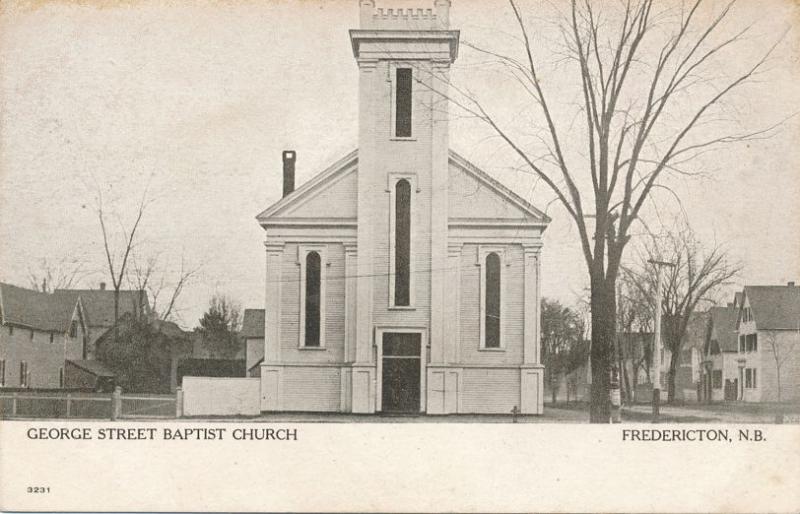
(23, 374)
(402, 244)
(741, 344)
(402, 115)
(10, 330)
(750, 381)
(492, 299)
(313, 302)
(31, 335)
(73, 329)
(716, 379)
(2, 372)
(753, 343)
(61, 377)
(51, 337)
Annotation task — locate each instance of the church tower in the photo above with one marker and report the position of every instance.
(404, 58)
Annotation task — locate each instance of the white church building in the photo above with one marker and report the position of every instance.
(402, 278)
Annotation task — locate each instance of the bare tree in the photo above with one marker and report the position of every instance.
(697, 275)
(152, 276)
(648, 78)
(118, 258)
(49, 275)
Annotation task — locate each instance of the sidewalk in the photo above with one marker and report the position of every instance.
(702, 414)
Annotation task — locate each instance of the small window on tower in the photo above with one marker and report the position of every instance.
(402, 117)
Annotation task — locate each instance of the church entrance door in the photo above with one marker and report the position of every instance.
(401, 372)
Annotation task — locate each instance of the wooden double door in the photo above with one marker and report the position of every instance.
(401, 372)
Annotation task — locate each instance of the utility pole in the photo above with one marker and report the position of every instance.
(657, 341)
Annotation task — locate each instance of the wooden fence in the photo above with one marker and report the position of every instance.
(81, 405)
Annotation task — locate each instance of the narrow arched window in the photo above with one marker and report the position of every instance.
(402, 243)
(313, 300)
(492, 301)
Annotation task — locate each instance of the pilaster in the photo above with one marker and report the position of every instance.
(530, 349)
(453, 304)
(272, 333)
(350, 301)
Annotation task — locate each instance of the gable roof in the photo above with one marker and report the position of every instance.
(96, 368)
(350, 161)
(499, 188)
(29, 308)
(774, 307)
(98, 304)
(316, 183)
(253, 324)
(723, 323)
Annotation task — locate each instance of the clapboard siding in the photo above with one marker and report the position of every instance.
(311, 389)
(512, 313)
(788, 344)
(334, 307)
(488, 391)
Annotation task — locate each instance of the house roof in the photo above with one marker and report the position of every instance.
(98, 304)
(253, 323)
(346, 164)
(723, 321)
(96, 368)
(774, 307)
(29, 308)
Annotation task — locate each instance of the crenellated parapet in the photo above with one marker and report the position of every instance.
(437, 18)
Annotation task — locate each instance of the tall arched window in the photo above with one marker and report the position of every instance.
(313, 300)
(402, 243)
(492, 301)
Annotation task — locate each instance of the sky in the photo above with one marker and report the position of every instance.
(189, 105)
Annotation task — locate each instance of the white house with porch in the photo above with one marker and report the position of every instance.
(402, 278)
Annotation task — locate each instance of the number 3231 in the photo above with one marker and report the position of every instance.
(35, 490)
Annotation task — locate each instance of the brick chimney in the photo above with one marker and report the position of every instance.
(791, 284)
(289, 158)
(102, 286)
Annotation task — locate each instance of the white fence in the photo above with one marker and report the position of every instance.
(221, 396)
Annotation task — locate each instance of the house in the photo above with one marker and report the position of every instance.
(402, 278)
(99, 309)
(768, 357)
(720, 379)
(39, 332)
(253, 334)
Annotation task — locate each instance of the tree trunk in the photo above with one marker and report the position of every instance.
(116, 314)
(671, 375)
(603, 303)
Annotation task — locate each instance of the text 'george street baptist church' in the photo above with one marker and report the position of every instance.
(402, 278)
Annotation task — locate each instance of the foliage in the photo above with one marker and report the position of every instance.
(219, 327)
(563, 347)
(140, 355)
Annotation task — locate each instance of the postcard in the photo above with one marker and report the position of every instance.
(399, 255)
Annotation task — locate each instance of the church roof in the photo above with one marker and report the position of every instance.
(350, 161)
